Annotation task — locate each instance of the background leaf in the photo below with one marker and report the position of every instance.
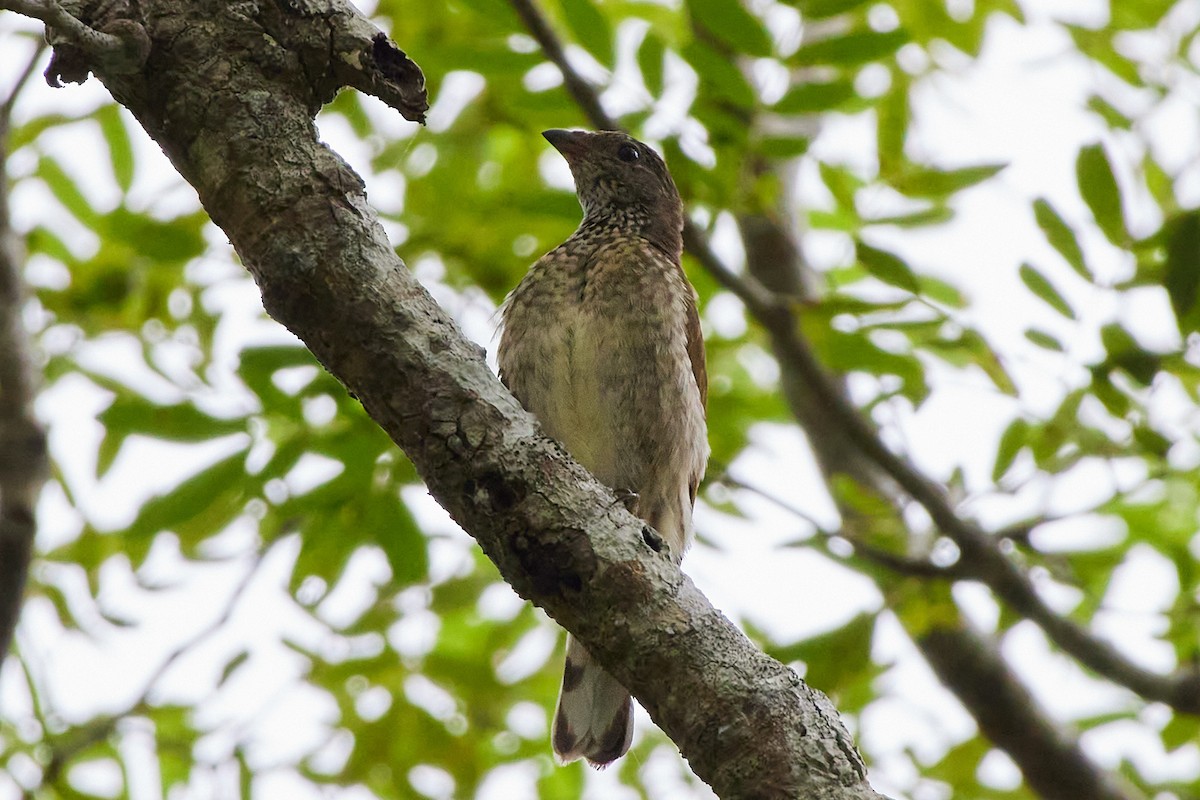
(1099, 189)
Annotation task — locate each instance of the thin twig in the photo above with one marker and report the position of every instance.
(777, 501)
(57, 17)
(902, 565)
(585, 96)
(115, 42)
(6, 108)
(100, 728)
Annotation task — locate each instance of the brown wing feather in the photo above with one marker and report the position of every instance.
(695, 348)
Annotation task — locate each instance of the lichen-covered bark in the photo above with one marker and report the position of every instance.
(228, 91)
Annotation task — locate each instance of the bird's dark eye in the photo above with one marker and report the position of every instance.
(628, 153)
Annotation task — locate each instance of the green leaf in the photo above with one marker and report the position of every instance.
(969, 348)
(231, 666)
(258, 365)
(840, 220)
(783, 146)
(1160, 183)
(942, 292)
(1181, 276)
(814, 97)
(1098, 45)
(1044, 340)
(1183, 729)
(132, 414)
(1014, 438)
(590, 28)
(846, 352)
(23, 134)
(1151, 441)
(64, 189)
(650, 61)
(934, 215)
(1138, 14)
(722, 78)
(1037, 283)
(729, 21)
(45, 241)
(823, 9)
(887, 267)
(1117, 341)
(1112, 116)
(1061, 237)
(930, 182)
(832, 658)
(54, 594)
(959, 765)
(396, 531)
(323, 555)
(1114, 400)
(842, 183)
(120, 149)
(245, 773)
(1098, 187)
(892, 117)
(852, 49)
(172, 241)
(1125, 353)
(199, 506)
(561, 783)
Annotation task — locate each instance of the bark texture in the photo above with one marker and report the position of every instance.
(228, 90)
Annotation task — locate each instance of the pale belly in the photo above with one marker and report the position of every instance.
(581, 407)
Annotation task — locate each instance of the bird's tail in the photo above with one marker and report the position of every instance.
(594, 719)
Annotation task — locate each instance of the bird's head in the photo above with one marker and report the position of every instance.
(618, 176)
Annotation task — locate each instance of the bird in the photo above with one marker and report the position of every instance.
(601, 342)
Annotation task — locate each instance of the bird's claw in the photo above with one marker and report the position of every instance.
(627, 498)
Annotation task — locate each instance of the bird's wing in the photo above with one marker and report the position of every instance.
(695, 351)
(695, 346)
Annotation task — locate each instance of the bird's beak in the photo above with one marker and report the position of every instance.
(570, 143)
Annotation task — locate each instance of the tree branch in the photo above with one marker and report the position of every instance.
(94, 42)
(1008, 715)
(981, 556)
(116, 40)
(23, 459)
(240, 130)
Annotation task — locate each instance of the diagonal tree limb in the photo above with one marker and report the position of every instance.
(1008, 715)
(23, 459)
(830, 410)
(240, 130)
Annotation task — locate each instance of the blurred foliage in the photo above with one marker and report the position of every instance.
(437, 681)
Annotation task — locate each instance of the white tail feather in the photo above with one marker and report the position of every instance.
(594, 719)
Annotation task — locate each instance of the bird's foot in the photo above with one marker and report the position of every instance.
(627, 498)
